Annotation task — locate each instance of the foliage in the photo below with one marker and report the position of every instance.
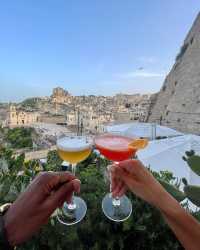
(145, 229)
(193, 161)
(15, 175)
(173, 190)
(192, 192)
(19, 137)
(53, 161)
(30, 102)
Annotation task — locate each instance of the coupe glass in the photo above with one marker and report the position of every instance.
(73, 150)
(116, 148)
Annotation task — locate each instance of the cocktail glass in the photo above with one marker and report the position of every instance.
(73, 150)
(117, 148)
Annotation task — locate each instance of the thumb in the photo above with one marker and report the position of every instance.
(64, 193)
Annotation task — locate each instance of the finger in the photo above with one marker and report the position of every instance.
(64, 176)
(63, 193)
(114, 178)
(51, 179)
(57, 179)
(121, 192)
(131, 166)
(118, 188)
(76, 184)
(128, 179)
(68, 197)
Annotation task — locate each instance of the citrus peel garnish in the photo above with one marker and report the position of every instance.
(138, 144)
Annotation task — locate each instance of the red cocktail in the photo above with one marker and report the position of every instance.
(115, 147)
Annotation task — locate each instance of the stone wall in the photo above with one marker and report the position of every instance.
(53, 119)
(178, 102)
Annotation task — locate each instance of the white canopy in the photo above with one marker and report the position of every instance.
(146, 130)
(166, 154)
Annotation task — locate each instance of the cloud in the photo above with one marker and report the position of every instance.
(140, 74)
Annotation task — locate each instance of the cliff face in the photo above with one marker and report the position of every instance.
(178, 102)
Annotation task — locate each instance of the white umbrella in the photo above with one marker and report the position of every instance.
(166, 154)
(146, 130)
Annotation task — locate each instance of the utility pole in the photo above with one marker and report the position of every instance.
(78, 122)
(65, 114)
(153, 131)
(81, 128)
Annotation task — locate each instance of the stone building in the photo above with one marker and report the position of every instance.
(72, 118)
(60, 96)
(21, 117)
(177, 104)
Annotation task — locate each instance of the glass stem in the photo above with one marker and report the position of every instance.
(72, 205)
(115, 201)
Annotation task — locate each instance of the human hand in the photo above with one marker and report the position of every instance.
(132, 175)
(33, 208)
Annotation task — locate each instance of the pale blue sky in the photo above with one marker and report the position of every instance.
(90, 46)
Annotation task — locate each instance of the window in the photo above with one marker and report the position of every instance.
(164, 88)
(175, 83)
(191, 40)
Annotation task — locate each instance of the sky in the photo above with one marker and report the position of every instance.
(100, 47)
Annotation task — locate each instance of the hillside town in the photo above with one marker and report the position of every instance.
(77, 113)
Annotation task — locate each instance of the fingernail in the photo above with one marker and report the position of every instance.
(77, 184)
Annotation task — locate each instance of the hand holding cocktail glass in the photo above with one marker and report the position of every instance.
(118, 148)
(115, 148)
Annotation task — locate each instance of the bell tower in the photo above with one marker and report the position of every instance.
(13, 119)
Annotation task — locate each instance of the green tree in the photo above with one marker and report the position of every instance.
(19, 137)
(145, 229)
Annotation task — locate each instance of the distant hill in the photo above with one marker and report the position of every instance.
(31, 102)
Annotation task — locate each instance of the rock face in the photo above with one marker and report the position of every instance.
(177, 104)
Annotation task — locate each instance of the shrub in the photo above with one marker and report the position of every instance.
(145, 229)
(19, 137)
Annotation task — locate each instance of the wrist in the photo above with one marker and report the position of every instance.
(168, 205)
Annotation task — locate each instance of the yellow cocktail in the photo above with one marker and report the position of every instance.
(74, 156)
(73, 150)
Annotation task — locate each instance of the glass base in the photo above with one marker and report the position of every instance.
(68, 216)
(117, 213)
